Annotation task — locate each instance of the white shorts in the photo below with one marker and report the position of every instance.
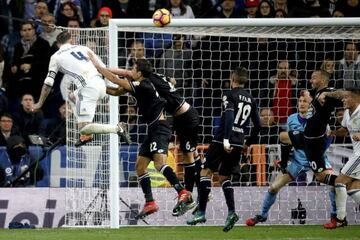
(352, 167)
(86, 101)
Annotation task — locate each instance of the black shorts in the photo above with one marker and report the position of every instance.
(157, 140)
(218, 160)
(297, 139)
(315, 153)
(186, 127)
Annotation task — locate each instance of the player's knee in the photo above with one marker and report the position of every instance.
(158, 165)
(273, 188)
(223, 179)
(206, 172)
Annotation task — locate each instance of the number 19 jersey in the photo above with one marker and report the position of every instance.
(245, 109)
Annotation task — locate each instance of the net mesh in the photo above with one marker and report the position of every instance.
(201, 59)
(87, 167)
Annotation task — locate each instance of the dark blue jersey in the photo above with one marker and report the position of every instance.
(318, 115)
(167, 91)
(148, 100)
(244, 108)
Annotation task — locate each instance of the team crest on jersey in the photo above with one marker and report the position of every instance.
(225, 101)
(320, 170)
(310, 111)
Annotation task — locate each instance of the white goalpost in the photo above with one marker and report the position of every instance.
(101, 182)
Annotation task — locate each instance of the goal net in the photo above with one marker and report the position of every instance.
(200, 54)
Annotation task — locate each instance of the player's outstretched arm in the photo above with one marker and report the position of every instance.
(121, 72)
(45, 91)
(338, 94)
(115, 91)
(109, 75)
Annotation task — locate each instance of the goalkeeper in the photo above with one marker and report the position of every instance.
(299, 164)
(71, 60)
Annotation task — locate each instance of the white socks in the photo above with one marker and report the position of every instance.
(340, 199)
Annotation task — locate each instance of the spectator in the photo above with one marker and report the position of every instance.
(136, 128)
(49, 31)
(179, 9)
(350, 8)
(269, 132)
(176, 63)
(338, 13)
(41, 8)
(55, 128)
(103, 17)
(282, 84)
(15, 161)
(73, 23)
(137, 51)
(6, 128)
(281, 5)
(27, 121)
(332, 6)
(308, 8)
(8, 43)
(68, 10)
(266, 10)
(251, 8)
(348, 68)
(329, 66)
(279, 13)
(228, 10)
(133, 8)
(31, 59)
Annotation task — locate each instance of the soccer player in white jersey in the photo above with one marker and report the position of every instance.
(72, 60)
(348, 182)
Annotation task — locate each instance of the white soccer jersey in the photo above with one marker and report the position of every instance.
(72, 60)
(352, 123)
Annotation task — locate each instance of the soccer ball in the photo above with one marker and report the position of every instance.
(161, 17)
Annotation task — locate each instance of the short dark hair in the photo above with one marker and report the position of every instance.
(144, 66)
(324, 74)
(63, 37)
(6, 114)
(28, 22)
(240, 75)
(354, 90)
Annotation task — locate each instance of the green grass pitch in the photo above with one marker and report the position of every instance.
(177, 233)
